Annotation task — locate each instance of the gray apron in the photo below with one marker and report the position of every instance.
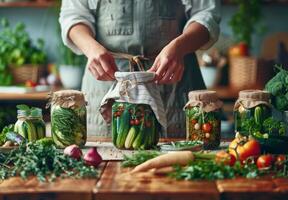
(140, 27)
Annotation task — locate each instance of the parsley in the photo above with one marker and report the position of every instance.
(43, 161)
(138, 158)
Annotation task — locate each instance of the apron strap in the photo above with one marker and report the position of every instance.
(134, 61)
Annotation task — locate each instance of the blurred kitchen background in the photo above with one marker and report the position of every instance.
(254, 36)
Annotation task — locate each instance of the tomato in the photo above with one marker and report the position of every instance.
(279, 161)
(136, 122)
(225, 158)
(117, 114)
(132, 122)
(30, 83)
(243, 150)
(207, 127)
(265, 161)
(193, 121)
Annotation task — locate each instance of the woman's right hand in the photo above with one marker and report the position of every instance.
(101, 63)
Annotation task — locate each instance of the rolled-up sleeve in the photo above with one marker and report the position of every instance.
(206, 13)
(74, 12)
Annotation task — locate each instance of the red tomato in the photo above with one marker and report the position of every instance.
(117, 114)
(279, 162)
(240, 49)
(132, 122)
(265, 161)
(207, 127)
(136, 122)
(193, 121)
(225, 158)
(243, 150)
(30, 83)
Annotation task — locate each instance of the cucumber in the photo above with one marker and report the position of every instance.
(258, 114)
(140, 137)
(124, 128)
(31, 131)
(132, 134)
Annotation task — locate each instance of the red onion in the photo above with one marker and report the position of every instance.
(92, 157)
(73, 151)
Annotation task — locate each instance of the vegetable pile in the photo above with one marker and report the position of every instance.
(278, 87)
(134, 126)
(44, 161)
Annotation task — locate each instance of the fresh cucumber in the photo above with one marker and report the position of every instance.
(258, 115)
(132, 134)
(31, 131)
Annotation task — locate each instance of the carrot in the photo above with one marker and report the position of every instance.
(166, 160)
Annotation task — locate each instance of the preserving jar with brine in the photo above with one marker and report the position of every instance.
(203, 118)
(252, 106)
(134, 126)
(68, 118)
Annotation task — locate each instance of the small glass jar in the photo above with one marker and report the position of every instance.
(252, 106)
(134, 126)
(203, 118)
(68, 118)
(30, 124)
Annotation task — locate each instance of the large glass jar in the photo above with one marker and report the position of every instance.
(68, 118)
(30, 124)
(252, 106)
(203, 120)
(134, 126)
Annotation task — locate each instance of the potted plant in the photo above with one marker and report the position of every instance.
(71, 68)
(246, 71)
(20, 59)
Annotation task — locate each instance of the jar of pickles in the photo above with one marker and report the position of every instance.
(30, 124)
(252, 106)
(203, 118)
(134, 126)
(68, 118)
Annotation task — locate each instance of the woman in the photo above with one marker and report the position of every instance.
(168, 32)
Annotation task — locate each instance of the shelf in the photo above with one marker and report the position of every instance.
(32, 4)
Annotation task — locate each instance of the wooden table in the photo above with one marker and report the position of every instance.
(116, 183)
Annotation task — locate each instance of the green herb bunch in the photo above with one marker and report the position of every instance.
(43, 161)
(209, 170)
(138, 158)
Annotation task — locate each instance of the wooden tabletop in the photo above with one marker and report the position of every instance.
(116, 183)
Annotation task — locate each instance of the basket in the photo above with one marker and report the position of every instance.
(249, 72)
(23, 73)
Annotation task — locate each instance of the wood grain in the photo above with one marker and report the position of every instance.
(117, 183)
(16, 188)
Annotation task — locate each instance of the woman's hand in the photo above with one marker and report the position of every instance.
(168, 65)
(101, 64)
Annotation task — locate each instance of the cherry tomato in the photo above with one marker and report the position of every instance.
(265, 161)
(207, 127)
(132, 122)
(225, 158)
(279, 161)
(193, 121)
(136, 122)
(243, 150)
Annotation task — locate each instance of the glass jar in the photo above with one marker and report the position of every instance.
(30, 124)
(252, 106)
(68, 118)
(134, 126)
(203, 118)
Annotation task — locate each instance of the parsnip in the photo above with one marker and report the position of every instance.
(166, 160)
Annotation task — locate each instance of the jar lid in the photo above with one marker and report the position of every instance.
(206, 99)
(68, 98)
(23, 113)
(35, 112)
(252, 98)
(257, 95)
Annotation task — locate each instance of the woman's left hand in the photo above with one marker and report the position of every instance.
(168, 65)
